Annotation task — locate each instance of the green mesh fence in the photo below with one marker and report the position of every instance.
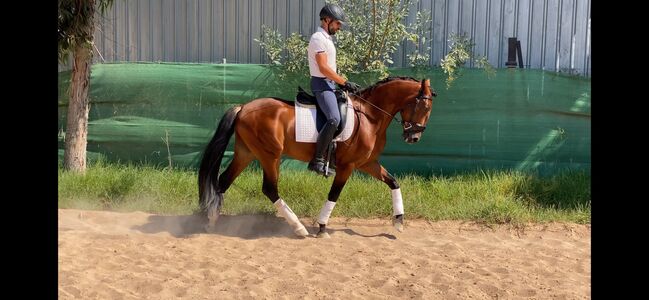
(528, 120)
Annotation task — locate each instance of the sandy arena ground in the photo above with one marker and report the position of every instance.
(109, 255)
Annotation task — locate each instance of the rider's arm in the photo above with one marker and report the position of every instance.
(321, 60)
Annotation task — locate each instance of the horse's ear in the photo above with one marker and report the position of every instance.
(426, 82)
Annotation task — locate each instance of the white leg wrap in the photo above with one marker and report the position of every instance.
(325, 212)
(397, 202)
(290, 217)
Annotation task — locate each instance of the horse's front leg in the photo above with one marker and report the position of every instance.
(342, 174)
(378, 171)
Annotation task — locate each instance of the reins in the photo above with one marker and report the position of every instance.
(380, 109)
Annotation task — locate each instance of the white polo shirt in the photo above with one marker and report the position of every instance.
(321, 41)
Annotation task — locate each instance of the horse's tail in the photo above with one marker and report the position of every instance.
(209, 192)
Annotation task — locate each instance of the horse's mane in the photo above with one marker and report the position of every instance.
(386, 80)
(366, 90)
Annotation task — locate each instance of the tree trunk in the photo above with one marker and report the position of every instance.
(76, 133)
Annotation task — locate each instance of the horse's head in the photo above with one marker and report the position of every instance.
(415, 113)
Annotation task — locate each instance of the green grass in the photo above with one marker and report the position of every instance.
(490, 197)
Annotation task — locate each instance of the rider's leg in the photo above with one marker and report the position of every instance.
(329, 106)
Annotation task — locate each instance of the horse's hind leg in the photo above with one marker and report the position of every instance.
(269, 187)
(241, 159)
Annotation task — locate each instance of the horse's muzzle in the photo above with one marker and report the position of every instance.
(412, 138)
(412, 132)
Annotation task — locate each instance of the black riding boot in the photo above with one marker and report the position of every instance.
(319, 161)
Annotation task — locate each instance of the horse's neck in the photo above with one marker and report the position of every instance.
(375, 114)
(384, 102)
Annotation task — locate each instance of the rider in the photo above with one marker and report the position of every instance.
(322, 66)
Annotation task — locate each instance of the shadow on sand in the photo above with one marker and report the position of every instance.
(242, 226)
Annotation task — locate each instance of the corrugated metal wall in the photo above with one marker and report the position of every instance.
(554, 34)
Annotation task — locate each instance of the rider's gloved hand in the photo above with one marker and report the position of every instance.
(350, 87)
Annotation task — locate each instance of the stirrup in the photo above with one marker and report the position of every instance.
(320, 167)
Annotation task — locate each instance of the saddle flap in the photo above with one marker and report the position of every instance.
(342, 107)
(307, 119)
(305, 98)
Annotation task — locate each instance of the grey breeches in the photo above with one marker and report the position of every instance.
(323, 90)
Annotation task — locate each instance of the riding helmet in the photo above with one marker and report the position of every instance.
(333, 11)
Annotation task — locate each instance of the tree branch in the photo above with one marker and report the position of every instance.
(387, 27)
(369, 51)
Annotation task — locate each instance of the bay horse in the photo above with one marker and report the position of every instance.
(265, 129)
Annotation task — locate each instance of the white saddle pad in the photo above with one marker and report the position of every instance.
(305, 129)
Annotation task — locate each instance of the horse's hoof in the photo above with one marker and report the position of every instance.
(301, 232)
(397, 222)
(322, 235)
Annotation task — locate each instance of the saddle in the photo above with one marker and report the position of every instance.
(305, 99)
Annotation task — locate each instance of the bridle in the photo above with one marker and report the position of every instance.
(408, 127)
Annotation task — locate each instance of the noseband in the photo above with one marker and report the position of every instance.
(410, 127)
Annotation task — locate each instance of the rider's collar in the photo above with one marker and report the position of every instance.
(320, 29)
